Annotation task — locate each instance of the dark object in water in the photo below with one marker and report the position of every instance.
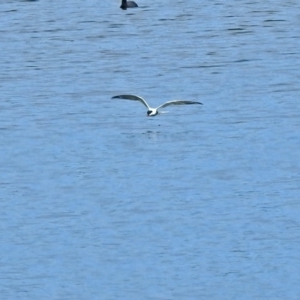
(128, 4)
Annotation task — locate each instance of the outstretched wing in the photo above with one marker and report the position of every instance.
(178, 102)
(132, 97)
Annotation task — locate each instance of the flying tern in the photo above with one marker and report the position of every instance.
(151, 112)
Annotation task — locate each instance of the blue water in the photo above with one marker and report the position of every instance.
(98, 201)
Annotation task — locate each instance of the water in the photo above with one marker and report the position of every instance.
(100, 202)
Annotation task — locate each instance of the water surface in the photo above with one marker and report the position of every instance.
(100, 202)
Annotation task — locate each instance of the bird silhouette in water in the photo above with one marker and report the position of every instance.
(128, 4)
(151, 112)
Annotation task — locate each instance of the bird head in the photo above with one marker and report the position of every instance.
(149, 112)
(124, 5)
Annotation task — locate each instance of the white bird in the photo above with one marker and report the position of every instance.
(154, 111)
(128, 4)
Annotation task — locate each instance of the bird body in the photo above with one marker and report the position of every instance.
(128, 4)
(151, 112)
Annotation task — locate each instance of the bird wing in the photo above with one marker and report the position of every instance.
(178, 102)
(132, 97)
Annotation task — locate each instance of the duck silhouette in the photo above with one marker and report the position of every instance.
(128, 4)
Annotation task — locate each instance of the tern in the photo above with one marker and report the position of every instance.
(128, 4)
(151, 112)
